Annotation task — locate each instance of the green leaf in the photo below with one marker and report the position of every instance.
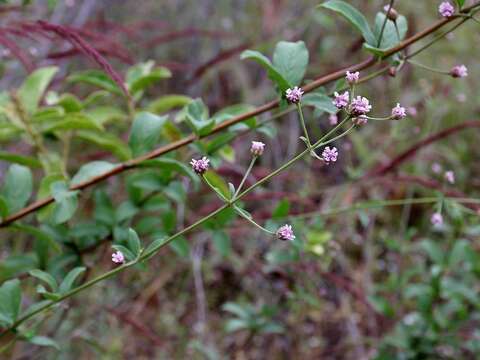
(44, 191)
(72, 121)
(44, 341)
(20, 159)
(218, 183)
(166, 164)
(196, 114)
(291, 60)
(222, 243)
(39, 235)
(46, 277)
(381, 305)
(433, 250)
(66, 202)
(145, 81)
(273, 73)
(460, 3)
(390, 37)
(107, 142)
(353, 16)
(157, 243)
(70, 103)
(96, 78)
(229, 112)
(31, 91)
(319, 101)
(10, 301)
(281, 210)
(3, 207)
(67, 283)
(145, 132)
(17, 187)
(91, 170)
(167, 103)
(134, 242)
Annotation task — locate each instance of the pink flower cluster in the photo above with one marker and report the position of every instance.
(257, 148)
(200, 166)
(285, 233)
(341, 100)
(459, 71)
(118, 258)
(437, 219)
(294, 95)
(330, 154)
(352, 78)
(399, 112)
(446, 9)
(360, 106)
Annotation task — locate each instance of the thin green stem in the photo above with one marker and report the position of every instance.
(428, 67)
(304, 127)
(251, 221)
(245, 176)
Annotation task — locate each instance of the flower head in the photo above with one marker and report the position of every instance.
(341, 100)
(118, 258)
(360, 106)
(333, 119)
(352, 78)
(294, 95)
(446, 9)
(200, 166)
(437, 219)
(398, 112)
(360, 120)
(450, 177)
(459, 71)
(257, 148)
(285, 233)
(436, 168)
(330, 154)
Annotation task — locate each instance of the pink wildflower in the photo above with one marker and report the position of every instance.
(341, 100)
(330, 154)
(360, 106)
(398, 112)
(285, 233)
(450, 177)
(257, 148)
(294, 95)
(437, 219)
(200, 166)
(118, 258)
(352, 78)
(459, 71)
(333, 119)
(446, 9)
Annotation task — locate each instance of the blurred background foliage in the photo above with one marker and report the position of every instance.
(368, 281)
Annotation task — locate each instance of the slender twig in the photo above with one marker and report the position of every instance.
(380, 37)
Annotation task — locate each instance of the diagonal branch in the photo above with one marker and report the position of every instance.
(259, 110)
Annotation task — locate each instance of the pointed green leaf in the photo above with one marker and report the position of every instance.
(20, 159)
(273, 73)
(10, 301)
(67, 283)
(134, 242)
(46, 277)
(17, 187)
(66, 202)
(31, 91)
(91, 170)
(353, 16)
(291, 60)
(145, 132)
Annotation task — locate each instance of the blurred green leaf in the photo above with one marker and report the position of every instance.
(32, 89)
(72, 121)
(166, 164)
(134, 242)
(66, 202)
(107, 142)
(96, 78)
(167, 103)
(196, 114)
(46, 277)
(91, 170)
(20, 159)
(17, 187)
(145, 132)
(222, 243)
(10, 301)
(43, 341)
(67, 283)
(181, 246)
(150, 79)
(319, 101)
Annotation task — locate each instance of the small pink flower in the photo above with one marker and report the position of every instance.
(330, 154)
(333, 119)
(459, 71)
(436, 168)
(392, 14)
(200, 166)
(352, 78)
(118, 258)
(399, 112)
(360, 120)
(294, 95)
(285, 233)
(437, 219)
(446, 9)
(257, 148)
(341, 100)
(360, 106)
(450, 177)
